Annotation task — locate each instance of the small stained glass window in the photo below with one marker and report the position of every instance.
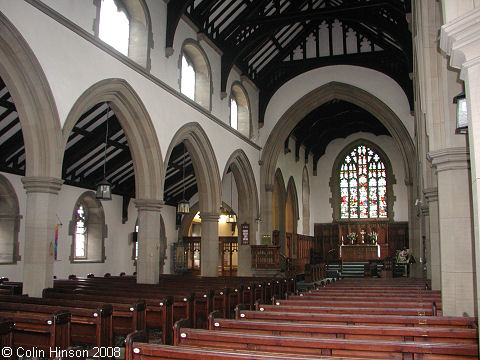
(363, 185)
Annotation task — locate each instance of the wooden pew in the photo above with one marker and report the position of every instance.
(366, 332)
(42, 331)
(126, 317)
(417, 311)
(380, 349)
(358, 319)
(6, 333)
(159, 312)
(87, 326)
(136, 348)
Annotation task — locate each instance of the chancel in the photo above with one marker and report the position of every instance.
(301, 162)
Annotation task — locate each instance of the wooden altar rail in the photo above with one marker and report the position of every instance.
(265, 256)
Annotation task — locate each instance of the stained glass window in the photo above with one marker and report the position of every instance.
(363, 185)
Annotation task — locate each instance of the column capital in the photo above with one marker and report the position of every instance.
(447, 159)
(431, 194)
(209, 216)
(425, 210)
(460, 39)
(42, 184)
(148, 204)
(269, 187)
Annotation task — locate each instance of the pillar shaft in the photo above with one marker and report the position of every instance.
(40, 220)
(433, 261)
(456, 246)
(148, 262)
(209, 258)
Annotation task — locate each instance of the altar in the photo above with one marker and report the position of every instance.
(360, 252)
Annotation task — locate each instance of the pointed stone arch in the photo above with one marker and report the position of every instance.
(207, 176)
(138, 127)
(311, 101)
(247, 204)
(204, 164)
(34, 101)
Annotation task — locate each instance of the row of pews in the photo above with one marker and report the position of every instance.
(88, 313)
(347, 319)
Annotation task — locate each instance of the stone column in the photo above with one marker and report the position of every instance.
(148, 240)
(40, 220)
(266, 206)
(209, 245)
(245, 251)
(456, 245)
(433, 261)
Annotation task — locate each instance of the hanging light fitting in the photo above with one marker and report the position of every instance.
(104, 188)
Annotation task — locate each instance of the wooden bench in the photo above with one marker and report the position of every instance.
(358, 319)
(381, 349)
(418, 311)
(88, 326)
(136, 348)
(6, 333)
(42, 331)
(159, 312)
(127, 317)
(366, 332)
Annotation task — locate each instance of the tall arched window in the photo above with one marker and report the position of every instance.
(114, 25)
(240, 110)
(88, 230)
(363, 185)
(195, 78)
(126, 26)
(187, 86)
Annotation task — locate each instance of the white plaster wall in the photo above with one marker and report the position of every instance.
(456, 8)
(320, 193)
(81, 12)
(118, 249)
(374, 82)
(82, 64)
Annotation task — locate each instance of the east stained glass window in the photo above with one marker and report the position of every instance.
(363, 185)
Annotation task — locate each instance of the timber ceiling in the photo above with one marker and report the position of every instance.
(270, 41)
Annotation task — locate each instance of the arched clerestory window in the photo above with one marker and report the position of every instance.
(240, 110)
(363, 184)
(195, 74)
(125, 25)
(88, 230)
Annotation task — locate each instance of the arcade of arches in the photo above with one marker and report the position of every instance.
(340, 161)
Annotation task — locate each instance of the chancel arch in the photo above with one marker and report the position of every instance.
(310, 102)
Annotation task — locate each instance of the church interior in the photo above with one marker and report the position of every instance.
(288, 176)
